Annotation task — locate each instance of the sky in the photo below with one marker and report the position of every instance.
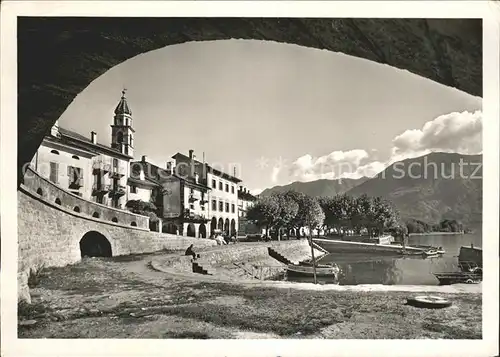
(278, 112)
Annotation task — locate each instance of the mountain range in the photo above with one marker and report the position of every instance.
(429, 188)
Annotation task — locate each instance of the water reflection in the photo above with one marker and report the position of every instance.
(369, 269)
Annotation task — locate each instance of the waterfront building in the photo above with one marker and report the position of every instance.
(245, 201)
(86, 168)
(181, 200)
(222, 198)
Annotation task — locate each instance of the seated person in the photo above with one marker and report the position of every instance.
(190, 251)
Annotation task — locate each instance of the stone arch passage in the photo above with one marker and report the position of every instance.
(203, 231)
(75, 51)
(226, 226)
(94, 244)
(169, 228)
(191, 231)
(221, 224)
(233, 227)
(213, 225)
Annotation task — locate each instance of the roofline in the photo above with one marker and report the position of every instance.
(212, 170)
(97, 147)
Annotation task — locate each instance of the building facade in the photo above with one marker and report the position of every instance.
(222, 198)
(181, 200)
(84, 167)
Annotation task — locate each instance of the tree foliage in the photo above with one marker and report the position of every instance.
(143, 208)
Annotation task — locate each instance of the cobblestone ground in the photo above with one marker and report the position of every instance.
(123, 298)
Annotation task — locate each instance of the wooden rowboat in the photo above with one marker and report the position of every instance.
(307, 270)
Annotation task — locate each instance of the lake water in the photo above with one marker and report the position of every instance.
(369, 269)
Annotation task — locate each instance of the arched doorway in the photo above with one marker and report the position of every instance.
(226, 226)
(221, 224)
(169, 228)
(191, 231)
(233, 227)
(213, 225)
(94, 244)
(203, 231)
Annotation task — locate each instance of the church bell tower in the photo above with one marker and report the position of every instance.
(122, 132)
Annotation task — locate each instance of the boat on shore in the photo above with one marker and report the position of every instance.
(384, 245)
(308, 270)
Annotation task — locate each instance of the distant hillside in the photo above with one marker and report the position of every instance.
(434, 193)
(317, 188)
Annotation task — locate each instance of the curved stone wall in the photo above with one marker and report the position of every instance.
(51, 193)
(49, 234)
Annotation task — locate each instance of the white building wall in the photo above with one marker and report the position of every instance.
(230, 197)
(66, 157)
(142, 194)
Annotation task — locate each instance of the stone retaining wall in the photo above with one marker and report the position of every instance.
(49, 235)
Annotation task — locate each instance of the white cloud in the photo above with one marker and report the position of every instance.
(274, 174)
(337, 164)
(453, 132)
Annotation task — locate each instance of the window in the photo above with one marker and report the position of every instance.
(54, 171)
(227, 187)
(232, 208)
(133, 224)
(214, 205)
(220, 186)
(214, 184)
(76, 209)
(54, 152)
(221, 206)
(95, 215)
(232, 188)
(115, 220)
(75, 157)
(133, 189)
(58, 201)
(115, 162)
(227, 207)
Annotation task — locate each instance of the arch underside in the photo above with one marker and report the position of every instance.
(59, 57)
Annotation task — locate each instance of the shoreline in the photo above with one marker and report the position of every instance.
(439, 234)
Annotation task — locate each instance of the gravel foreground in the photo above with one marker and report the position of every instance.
(122, 297)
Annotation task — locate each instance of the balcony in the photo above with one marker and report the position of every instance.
(76, 184)
(118, 190)
(194, 217)
(117, 172)
(100, 188)
(101, 166)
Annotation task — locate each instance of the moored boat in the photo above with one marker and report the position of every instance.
(458, 278)
(307, 270)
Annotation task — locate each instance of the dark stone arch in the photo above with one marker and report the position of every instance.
(169, 228)
(96, 215)
(40, 191)
(213, 225)
(226, 226)
(95, 244)
(191, 231)
(233, 227)
(75, 51)
(58, 201)
(114, 219)
(76, 209)
(133, 224)
(220, 224)
(202, 231)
